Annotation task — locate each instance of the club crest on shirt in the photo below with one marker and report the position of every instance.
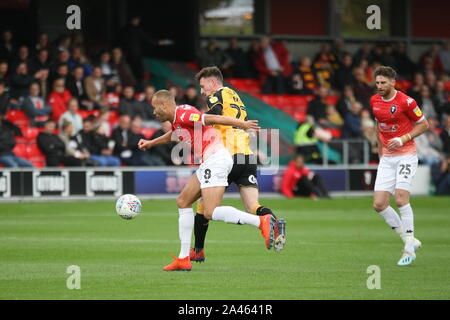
(393, 109)
(213, 100)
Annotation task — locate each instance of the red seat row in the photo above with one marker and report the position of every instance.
(30, 152)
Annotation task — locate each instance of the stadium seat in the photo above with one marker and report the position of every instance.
(148, 132)
(83, 113)
(30, 134)
(332, 100)
(246, 85)
(17, 117)
(403, 85)
(447, 85)
(20, 150)
(335, 132)
(113, 118)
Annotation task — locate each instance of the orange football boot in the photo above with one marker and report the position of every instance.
(179, 264)
(197, 256)
(267, 227)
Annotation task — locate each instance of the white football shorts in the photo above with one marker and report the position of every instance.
(396, 172)
(213, 172)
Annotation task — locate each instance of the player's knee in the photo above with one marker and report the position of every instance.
(182, 202)
(208, 213)
(401, 199)
(379, 205)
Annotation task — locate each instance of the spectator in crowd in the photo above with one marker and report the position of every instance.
(429, 144)
(444, 56)
(304, 80)
(299, 181)
(443, 183)
(103, 149)
(344, 76)
(121, 136)
(108, 69)
(58, 98)
(427, 102)
(212, 55)
(251, 54)
(96, 88)
(346, 101)
(430, 60)
(73, 149)
(133, 38)
(377, 54)
(326, 56)
(306, 137)
(149, 91)
(362, 90)
(369, 133)
(131, 106)
(72, 116)
(388, 57)
(445, 136)
(273, 65)
(20, 81)
(192, 98)
(42, 42)
(7, 46)
(103, 120)
(41, 77)
(164, 151)
(324, 70)
(352, 122)
(333, 117)
(54, 148)
(176, 93)
(35, 107)
(76, 87)
(431, 80)
(61, 71)
(363, 53)
(7, 143)
(339, 50)
(85, 137)
(77, 58)
(23, 56)
(239, 61)
(5, 105)
(442, 99)
(4, 76)
(317, 108)
(405, 66)
(150, 157)
(123, 69)
(418, 82)
(112, 96)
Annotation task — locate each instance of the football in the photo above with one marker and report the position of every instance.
(128, 206)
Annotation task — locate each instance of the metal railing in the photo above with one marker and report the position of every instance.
(353, 151)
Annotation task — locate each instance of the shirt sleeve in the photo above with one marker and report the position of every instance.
(188, 117)
(215, 101)
(413, 111)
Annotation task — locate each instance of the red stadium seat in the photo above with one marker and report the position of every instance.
(148, 132)
(447, 85)
(335, 132)
(332, 100)
(113, 118)
(17, 117)
(247, 85)
(30, 134)
(83, 113)
(20, 150)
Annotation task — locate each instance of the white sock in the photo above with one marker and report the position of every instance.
(232, 215)
(408, 226)
(185, 227)
(393, 220)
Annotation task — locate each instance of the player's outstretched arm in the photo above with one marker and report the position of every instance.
(147, 144)
(210, 119)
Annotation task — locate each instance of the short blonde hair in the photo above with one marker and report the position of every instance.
(163, 95)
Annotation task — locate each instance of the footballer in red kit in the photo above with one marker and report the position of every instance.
(399, 120)
(193, 129)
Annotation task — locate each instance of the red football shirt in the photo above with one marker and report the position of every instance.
(190, 128)
(396, 117)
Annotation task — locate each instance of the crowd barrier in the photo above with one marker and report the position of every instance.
(93, 183)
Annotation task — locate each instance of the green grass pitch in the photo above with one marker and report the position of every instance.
(331, 243)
